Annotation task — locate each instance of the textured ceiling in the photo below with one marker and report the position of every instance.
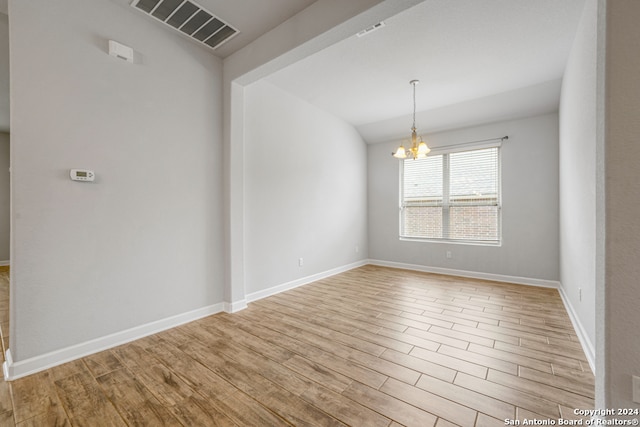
(505, 57)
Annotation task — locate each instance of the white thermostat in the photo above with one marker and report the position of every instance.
(81, 175)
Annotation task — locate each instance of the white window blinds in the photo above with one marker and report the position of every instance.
(452, 196)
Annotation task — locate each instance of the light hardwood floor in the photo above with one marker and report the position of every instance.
(4, 310)
(370, 347)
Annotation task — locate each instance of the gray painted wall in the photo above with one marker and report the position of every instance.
(144, 241)
(529, 204)
(4, 139)
(621, 163)
(305, 189)
(4, 73)
(578, 173)
(315, 28)
(5, 190)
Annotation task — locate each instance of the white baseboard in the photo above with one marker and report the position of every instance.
(4, 263)
(8, 361)
(587, 345)
(303, 281)
(14, 370)
(471, 274)
(585, 342)
(234, 307)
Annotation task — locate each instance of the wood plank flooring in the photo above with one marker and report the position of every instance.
(370, 347)
(4, 309)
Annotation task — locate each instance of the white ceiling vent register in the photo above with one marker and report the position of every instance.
(190, 19)
(371, 29)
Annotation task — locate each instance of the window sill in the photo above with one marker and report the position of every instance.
(451, 241)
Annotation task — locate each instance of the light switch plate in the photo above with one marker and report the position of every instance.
(636, 388)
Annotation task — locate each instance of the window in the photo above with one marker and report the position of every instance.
(452, 196)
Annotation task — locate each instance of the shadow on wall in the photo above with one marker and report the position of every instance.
(4, 135)
(4, 199)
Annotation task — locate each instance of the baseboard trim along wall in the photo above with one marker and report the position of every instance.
(470, 274)
(303, 281)
(4, 263)
(14, 370)
(234, 307)
(585, 342)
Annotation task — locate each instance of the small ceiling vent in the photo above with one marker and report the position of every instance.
(371, 29)
(190, 19)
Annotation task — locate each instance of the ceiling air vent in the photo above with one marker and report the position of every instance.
(371, 29)
(190, 19)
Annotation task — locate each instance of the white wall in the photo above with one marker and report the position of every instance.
(313, 29)
(4, 139)
(529, 205)
(578, 174)
(621, 164)
(4, 73)
(305, 189)
(144, 241)
(5, 221)
(599, 157)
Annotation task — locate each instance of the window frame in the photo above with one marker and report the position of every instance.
(445, 152)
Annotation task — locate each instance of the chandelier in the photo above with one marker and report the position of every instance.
(418, 150)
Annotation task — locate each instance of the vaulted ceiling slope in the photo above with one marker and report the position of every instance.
(478, 61)
(252, 18)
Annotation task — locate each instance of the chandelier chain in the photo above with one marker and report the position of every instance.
(414, 105)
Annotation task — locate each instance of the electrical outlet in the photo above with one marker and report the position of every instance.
(300, 262)
(357, 249)
(448, 254)
(636, 388)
